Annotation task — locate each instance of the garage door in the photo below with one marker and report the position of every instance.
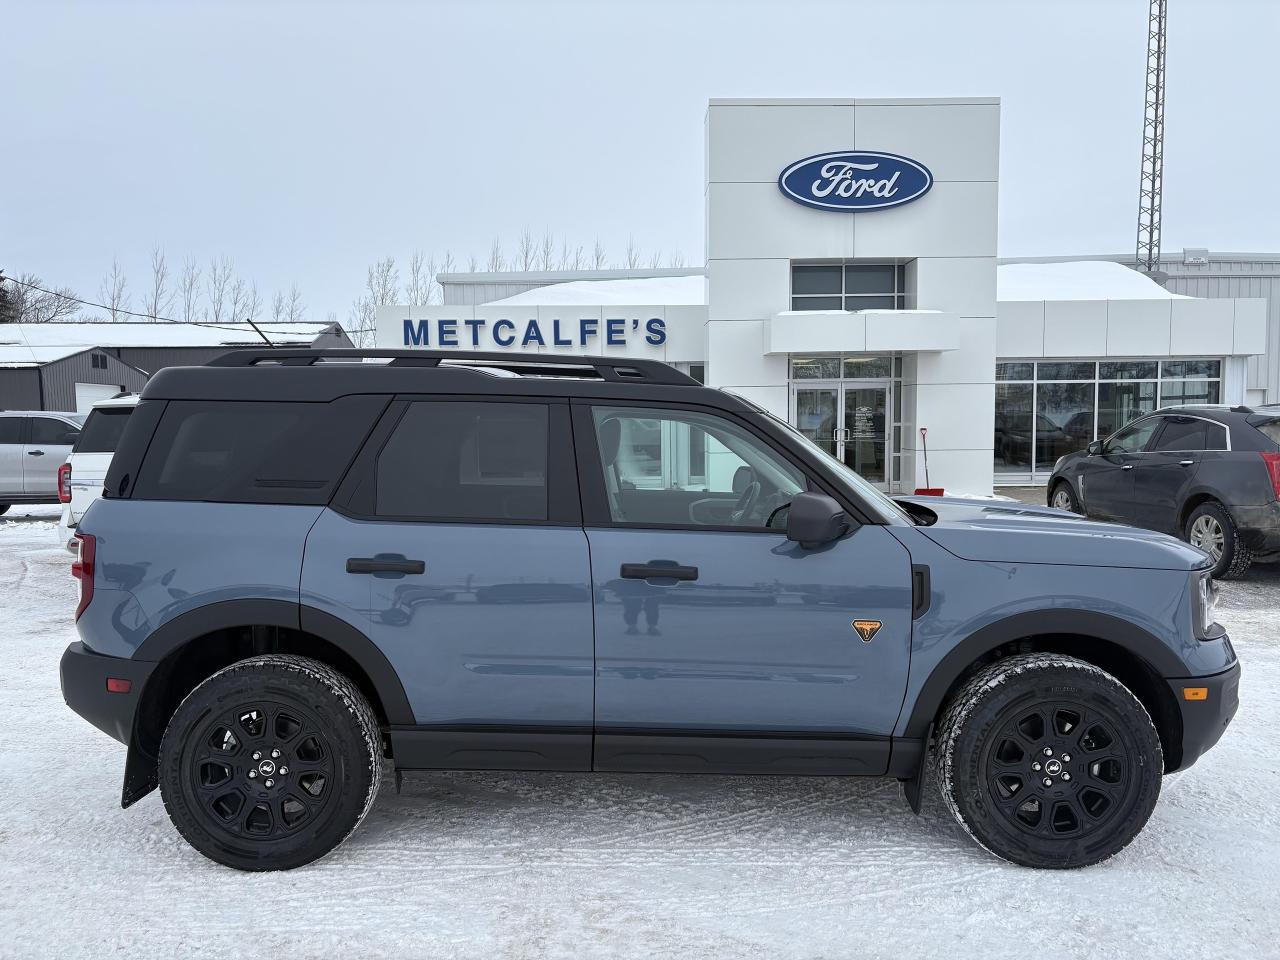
(87, 394)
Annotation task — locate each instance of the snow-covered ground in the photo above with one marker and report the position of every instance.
(502, 865)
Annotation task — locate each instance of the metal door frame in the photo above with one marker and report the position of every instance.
(841, 435)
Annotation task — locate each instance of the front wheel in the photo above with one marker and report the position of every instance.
(270, 763)
(1211, 529)
(1048, 761)
(1064, 498)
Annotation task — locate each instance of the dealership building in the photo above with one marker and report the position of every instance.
(851, 287)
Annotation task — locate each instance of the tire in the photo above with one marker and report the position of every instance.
(1211, 529)
(1062, 492)
(1104, 771)
(4, 508)
(324, 777)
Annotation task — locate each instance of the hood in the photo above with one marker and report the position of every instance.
(1005, 532)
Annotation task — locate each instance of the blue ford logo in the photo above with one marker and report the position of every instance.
(855, 181)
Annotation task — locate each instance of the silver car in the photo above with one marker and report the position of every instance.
(33, 444)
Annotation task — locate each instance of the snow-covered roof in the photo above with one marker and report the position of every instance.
(649, 291)
(1076, 280)
(33, 344)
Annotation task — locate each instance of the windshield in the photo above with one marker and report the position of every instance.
(876, 499)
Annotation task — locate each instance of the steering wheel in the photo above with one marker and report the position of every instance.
(746, 502)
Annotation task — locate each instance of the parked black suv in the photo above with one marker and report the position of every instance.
(1208, 474)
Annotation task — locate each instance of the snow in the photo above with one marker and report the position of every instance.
(30, 344)
(646, 291)
(498, 865)
(1076, 280)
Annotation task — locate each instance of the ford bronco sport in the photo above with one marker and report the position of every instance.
(306, 563)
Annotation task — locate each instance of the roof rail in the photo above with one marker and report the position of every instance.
(617, 369)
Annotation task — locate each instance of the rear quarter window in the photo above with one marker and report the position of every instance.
(254, 452)
(102, 431)
(1270, 429)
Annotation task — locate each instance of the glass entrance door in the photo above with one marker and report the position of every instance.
(848, 420)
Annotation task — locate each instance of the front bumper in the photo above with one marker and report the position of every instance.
(1204, 720)
(84, 677)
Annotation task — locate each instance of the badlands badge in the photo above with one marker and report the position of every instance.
(867, 629)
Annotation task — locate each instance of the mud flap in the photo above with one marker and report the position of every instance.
(913, 786)
(141, 776)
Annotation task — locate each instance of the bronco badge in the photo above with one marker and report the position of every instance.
(867, 629)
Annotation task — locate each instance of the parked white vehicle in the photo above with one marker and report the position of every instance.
(80, 478)
(32, 445)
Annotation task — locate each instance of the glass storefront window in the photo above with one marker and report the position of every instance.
(1064, 370)
(1177, 369)
(848, 285)
(1174, 392)
(1015, 371)
(867, 368)
(815, 278)
(1064, 420)
(1118, 403)
(1014, 403)
(1127, 370)
(815, 368)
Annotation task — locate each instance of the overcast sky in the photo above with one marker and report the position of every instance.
(305, 141)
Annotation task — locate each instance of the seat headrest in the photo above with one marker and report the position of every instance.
(742, 478)
(610, 436)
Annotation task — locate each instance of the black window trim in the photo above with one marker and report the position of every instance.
(31, 422)
(1166, 417)
(563, 502)
(595, 500)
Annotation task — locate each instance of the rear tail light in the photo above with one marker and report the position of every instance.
(82, 568)
(1272, 460)
(64, 483)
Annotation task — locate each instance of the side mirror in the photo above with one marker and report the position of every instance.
(1094, 448)
(815, 519)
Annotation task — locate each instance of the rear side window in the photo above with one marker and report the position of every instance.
(11, 429)
(455, 460)
(254, 452)
(101, 433)
(1183, 434)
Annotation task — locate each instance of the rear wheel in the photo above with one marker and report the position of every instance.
(1048, 761)
(1211, 529)
(1064, 498)
(4, 508)
(270, 763)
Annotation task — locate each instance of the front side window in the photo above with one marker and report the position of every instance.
(685, 468)
(46, 430)
(466, 461)
(1133, 438)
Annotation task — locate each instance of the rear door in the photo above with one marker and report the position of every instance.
(1106, 478)
(49, 441)
(721, 645)
(456, 546)
(1163, 475)
(13, 435)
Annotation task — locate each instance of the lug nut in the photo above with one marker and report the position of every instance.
(257, 755)
(1066, 776)
(269, 782)
(283, 771)
(275, 753)
(1047, 782)
(1036, 765)
(252, 774)
(1048, 751)
(1066, 758)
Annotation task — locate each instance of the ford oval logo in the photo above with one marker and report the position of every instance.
(855, 181)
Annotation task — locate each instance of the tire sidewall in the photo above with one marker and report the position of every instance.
(1230, 539)
(1071, 494)
(244, 684)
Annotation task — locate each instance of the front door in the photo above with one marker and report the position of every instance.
(1106, 478)
(723, 646)
(48, 444)
(849, 420)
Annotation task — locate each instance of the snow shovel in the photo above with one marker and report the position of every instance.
(926, 490)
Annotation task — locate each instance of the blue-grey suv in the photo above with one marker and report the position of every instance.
(307, 563)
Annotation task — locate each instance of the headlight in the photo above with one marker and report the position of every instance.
(1207, 607)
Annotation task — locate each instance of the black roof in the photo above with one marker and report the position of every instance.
(323, 375)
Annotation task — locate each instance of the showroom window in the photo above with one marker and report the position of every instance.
(846, 285)
(1047, 408)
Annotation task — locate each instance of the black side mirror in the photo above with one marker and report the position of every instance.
(1094, 448)
(815, 519)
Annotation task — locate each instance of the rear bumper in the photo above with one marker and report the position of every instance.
(1259, 526)
(84, 677)
(1205, 720)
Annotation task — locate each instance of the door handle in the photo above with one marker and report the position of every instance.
(35, 453)
(658, 570)
(1185, 463)
(392, 563)
(1127, 466)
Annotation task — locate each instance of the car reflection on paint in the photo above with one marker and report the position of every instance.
(406, 599)
(532, 593)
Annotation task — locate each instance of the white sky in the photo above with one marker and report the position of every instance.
(307, 140)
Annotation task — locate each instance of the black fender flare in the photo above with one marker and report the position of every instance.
(181, 630)
(1114, 631)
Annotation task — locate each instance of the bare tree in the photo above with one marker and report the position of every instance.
(277, 307)
(44, 305)
(546, 251)
(295, 309)
(417, 288)
(633, 254)
(189, 289)
(472, 264)
(238, 299)
(217, 286)
(159, 298)
(598, 258)
(676, 259)
(382, 287)
(655, 259)
(528, 251)
(447, 265)
(496, 263)
(114, 291)
(252, 304)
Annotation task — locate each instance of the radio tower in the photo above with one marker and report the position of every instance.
(1149, 187)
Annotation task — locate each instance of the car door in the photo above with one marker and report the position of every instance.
(1106, 477)
(49, 442)
(456, 545)
(723, 646)
(13, 435)
(1164, 473)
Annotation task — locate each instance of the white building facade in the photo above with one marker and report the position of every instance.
(851, 288)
